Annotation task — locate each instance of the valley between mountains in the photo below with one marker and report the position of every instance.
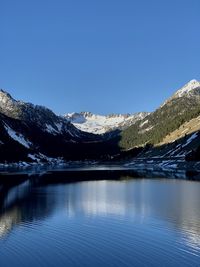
(169, 137)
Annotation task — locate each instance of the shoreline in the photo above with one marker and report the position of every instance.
(86, 171)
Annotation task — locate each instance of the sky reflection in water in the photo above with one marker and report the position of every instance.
(137, 222)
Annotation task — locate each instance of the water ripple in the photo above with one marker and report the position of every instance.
(111, 223)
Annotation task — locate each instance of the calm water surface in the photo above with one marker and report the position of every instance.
(135, 222)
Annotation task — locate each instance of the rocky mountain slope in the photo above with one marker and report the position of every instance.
(32, 133)
(99, 124)
(183, 106)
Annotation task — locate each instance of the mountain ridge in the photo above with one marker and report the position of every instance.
(101, 124)
(165, 119)
(31, 132)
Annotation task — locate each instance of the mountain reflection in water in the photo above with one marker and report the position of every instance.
(151, 214)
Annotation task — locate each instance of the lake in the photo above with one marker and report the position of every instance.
(123, 222)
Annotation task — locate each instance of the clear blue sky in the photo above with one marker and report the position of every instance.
(103, 56)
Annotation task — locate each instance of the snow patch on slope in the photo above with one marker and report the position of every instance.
(50, 129)
(145, 122)
(190, 139)
(55, 129)
(17, 137)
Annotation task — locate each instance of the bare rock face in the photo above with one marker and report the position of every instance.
(24, 111)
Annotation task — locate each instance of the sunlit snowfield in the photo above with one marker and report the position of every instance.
(131, 222)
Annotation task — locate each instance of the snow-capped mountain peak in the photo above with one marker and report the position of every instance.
(192, 88)
(191, 85)
(25, 111)
(100, 124)
(6, 97)
(39, 116)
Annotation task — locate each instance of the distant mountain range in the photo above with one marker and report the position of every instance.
(99, 124)
(32, 133)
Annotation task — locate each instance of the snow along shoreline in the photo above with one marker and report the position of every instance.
(177, 167)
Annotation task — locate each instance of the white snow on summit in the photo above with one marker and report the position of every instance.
(191, 85)
(99, 124)
(186, 90)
